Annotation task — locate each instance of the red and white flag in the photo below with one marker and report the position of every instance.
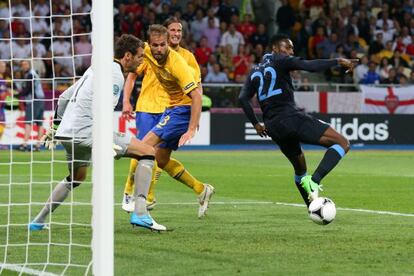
(391, 100)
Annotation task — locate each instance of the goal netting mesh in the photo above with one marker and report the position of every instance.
(54, 38)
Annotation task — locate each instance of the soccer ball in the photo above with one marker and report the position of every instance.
(322, 210)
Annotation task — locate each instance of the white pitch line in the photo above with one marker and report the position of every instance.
(22, 269)
(378, 212)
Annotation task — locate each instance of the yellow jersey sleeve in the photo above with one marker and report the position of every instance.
(191, 61)
(180, 71)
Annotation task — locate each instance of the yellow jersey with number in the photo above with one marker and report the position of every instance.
(154, 97)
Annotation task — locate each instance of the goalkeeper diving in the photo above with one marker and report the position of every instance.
(73, 128)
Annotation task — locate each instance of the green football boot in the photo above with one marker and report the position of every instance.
(310, 187)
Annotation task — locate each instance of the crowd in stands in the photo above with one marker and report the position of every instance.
(54, 34)
(235, 35)
(227, 37)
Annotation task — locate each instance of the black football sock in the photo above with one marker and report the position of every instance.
(302, 191)
(328, 162)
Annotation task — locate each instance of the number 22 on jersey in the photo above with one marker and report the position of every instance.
(271, 91)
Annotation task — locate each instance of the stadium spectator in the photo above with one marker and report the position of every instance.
(131, 25)
(18, 28)
(212, 33)
(18, 8)
(165, 13)
(315, 40)
(203, 52)
(210, 64)
(285, 18)
(83, 47)
(304, 86)
(62, 25)
(387, 52)
(258, 53)
(33, 93)
(21, 49)
(247, 28)
(392, 77)
(190, 11)
(39, 25)
(406, 37)
(211, 15)
(363, 26)
(226, 57)
(403, 80)
(241, 62)
(41, 8)
(260, 37)
(397, 60)
(371, 77)
(377, 45)
(385, 67)
(226, 11)
(197, 26)
(216, 75)
(232, 38)
(155, 6)
(5, 49)
(265, 13)
(86, 7)
(327, 47)
(62, 53)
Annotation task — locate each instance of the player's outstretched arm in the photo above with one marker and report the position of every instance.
(127, 109)
(196, 102)
(49, 138)
(318, 65)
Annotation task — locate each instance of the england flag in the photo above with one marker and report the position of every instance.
(391, 100)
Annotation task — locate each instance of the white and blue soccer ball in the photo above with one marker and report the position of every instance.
(322, 210)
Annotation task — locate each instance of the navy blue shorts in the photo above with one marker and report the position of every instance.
(145, 122)
(173, 124)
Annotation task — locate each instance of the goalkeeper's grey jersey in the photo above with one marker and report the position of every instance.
(75, 104)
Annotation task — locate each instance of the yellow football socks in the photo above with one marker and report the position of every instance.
(176, 170)
(156, 173)
(129, 184)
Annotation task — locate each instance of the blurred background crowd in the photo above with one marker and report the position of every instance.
(227, 37)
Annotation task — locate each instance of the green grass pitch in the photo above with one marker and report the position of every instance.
(246, 232)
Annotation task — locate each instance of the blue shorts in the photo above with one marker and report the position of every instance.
(173, 124)
(145, 122)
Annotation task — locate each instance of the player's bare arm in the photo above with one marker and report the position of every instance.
(195, 95)
(127, 109)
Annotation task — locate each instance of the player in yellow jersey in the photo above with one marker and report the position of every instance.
(169, 76)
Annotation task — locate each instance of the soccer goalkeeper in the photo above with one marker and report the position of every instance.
(74, 118)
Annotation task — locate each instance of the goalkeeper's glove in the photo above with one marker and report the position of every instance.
(116, 151)
(49, 138)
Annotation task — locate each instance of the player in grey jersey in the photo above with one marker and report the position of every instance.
(73, 127)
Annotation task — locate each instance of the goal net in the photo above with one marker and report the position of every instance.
(45, 46)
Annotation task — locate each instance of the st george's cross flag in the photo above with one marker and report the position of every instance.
(391, 100)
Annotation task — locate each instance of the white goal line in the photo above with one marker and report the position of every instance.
(377, 212)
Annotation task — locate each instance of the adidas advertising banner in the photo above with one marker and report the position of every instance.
(358, 128)
(14, 128)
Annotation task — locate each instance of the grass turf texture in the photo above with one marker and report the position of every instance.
(234, 238)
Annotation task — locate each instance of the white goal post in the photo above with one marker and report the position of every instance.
(103, 167)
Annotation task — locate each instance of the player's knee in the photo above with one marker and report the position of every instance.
(162, 162)
(75, 182)
(345, 144)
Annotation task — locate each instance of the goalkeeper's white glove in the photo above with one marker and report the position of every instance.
(116, 150)
(49, 138)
